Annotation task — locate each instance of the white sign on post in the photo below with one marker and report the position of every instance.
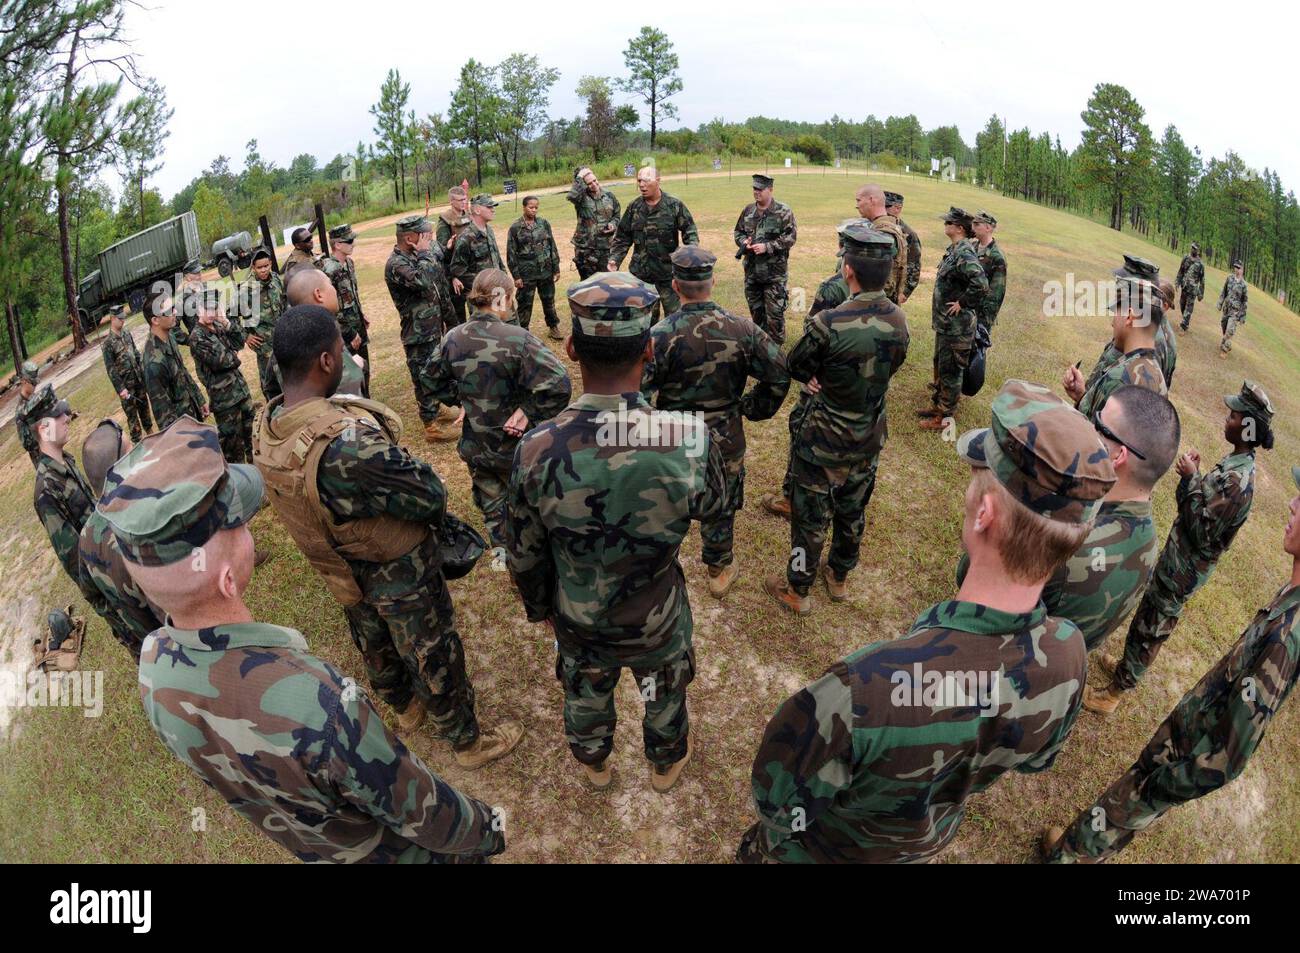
(287, 237)
(787, 162)
(350, 171)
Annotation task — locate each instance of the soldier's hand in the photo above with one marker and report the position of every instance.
(519, 283)
(902, 299)
(759, 249)
(356, 341)
(255, 341)
(457, 286)
(124, 393)
(203, 411)
(1073, 382)
(611, 266)
(556, 276)
(814, 386)
(954, 307)
(517, 425)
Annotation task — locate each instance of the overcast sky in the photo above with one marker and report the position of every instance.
(301, 83)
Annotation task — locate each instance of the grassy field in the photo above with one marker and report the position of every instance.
(73, 788)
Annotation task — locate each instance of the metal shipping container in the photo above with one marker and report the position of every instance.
(165, 247)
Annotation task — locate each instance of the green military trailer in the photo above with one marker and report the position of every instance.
(127, 268)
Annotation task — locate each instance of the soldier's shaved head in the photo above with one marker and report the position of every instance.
(648, 172)
(871, 200)
(311, 286)
(647, 180)
(1150, 423)
(187, 593)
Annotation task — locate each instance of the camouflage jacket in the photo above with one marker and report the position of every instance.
(493, 368)
(1211, 508)
(959, 278)
(913, 258)
(216, 359)
(531, 252)
(653, 234)
(597, 219)
(300, 752)
(831, 293)
(103, 567)
(352, 322)
(122, 361)
(1101, 584)
(172, 392)
(874, 761)
(1139, 367)
(1166, 356)
(63, 501)
(1232, 300)
(261, 304)
(450, 224)
(187, 315)
(703, 356)
(475, 250)
(994, 264)
(595, 519)
(23, 424)
(420, 294)
(775, 227)
(853, 351)
(1191, 276)
(297, 259)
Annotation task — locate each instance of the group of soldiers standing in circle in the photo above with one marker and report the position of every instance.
(587, 500)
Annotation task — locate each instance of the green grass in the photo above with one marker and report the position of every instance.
(73, 788)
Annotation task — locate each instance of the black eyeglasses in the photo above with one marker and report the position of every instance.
(1111, 435)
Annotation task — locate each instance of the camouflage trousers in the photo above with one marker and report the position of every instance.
(268, 375)
(235, 431)
(717, 535)
(458, 310)
(488, 488)
(1147, 634)
(660, 679)
(414, 650)
(1229, 324)
(668, 303)
(797, 414)
(117, 626)
(524, 303)
(767, 301)
(822, 497)
(417, 355)
(136, 406)
(951, 358)
(1187, 301)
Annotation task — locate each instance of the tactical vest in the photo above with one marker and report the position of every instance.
(289, 463)
(898, 270)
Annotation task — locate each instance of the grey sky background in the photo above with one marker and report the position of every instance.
(308, 72)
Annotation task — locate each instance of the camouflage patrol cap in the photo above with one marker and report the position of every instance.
(893, 198)
(612, 304)
(1135, 267)
(693, 263)
(30, 372)
(173, 492)
(956, 216)
(192, 267)
(44, 403)
(1237, 263)
(484, 200)
(1044, 452)
(858, 237)
(1196, 247)
(762, 181)
(342, 233)
(413, 223)
(1252, 401)
(985, 217)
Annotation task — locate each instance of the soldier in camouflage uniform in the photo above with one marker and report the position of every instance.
(215, 344)
(122, 361)
(262, 301)
(894, 206)
(508, 383)
(594, 552)
(172, 392)
(192, 288)
(422, 298)
(874, 761)
(1209, 737)
(870, 200)
(451, 222)
(534, 262)
(475, 248)
(372, 528)
(1211, 508)
(297, 749)
(764, 235)
(652, 227)
(301, 254)
(598, 213)
(853, 352)
(1232, 303)
(1191, 283)
(702, 357)
(960, 287)
(994, 263)
(834, 290)
(342, 273)
(28, 377)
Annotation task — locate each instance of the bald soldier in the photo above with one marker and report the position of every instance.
(764, 235)
(870, 200)
(293, 745)
(652, 227)
(313, 286)
(894, 206)
(874, 761)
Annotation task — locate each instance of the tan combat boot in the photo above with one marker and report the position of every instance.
(721, 578)
(664, 779)
(448, 414)
(1051, 837)
(491, 744)
(439, 434)
(838, 588)
(935, 423)
(1102, 702)
(779, 589)
(599, 776)
(777, 505)
(928, 412)
(412, 717)
(1107, 663)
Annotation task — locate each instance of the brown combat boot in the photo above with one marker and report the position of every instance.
(1051, 837)
(936, 423)
(448, 414)
(777, 505)
(554, 333)
(721, 578)
(1102, 702)
(664, 779)
(491, 744)
(412, 717)
(779, 589)
(599, 776)
(434, 433)
(1107, 663)
(928, 412)
(837, 588)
